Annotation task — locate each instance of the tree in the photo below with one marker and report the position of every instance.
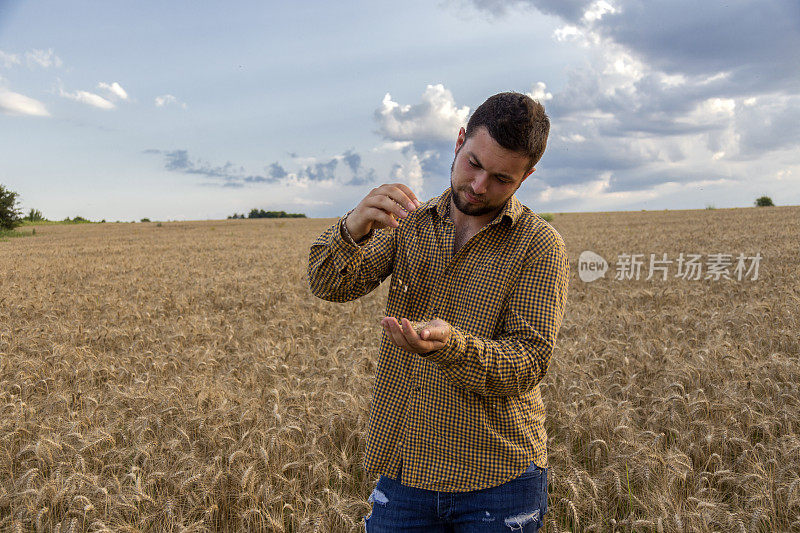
(764, 201)
(9, 212)
(34, 215)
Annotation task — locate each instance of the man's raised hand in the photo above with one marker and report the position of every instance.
(380, 209)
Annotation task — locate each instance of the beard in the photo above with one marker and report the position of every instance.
(461, 203)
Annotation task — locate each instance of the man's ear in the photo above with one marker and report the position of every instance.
(528, 174)
(462, 136)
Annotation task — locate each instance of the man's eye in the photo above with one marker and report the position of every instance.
(473, 164)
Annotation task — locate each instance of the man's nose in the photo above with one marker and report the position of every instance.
(480, 182)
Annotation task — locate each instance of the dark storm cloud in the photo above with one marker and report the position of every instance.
(231, 175)
(690, 36)
(769, 127)
(567, 9)
(360, 175)
(276, 171)
(258, 179)
(672, 90)
(634, 178)
(363, 178)
(320, 171)
(436, 162)
(567, 163)
(326, 170)
(756, 41)
(178, 160)
(227, 175)
(638, 180)
(353, 160)
(652, 107)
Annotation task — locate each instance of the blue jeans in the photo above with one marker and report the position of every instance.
(517, 505)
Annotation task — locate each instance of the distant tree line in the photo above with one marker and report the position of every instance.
(260, 213)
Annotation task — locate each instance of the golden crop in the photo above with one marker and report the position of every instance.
(183, 378)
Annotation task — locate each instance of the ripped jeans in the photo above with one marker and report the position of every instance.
(517, 505)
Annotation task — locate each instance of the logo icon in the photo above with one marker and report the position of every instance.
(591, 266)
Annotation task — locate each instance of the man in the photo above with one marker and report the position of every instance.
(456, 427)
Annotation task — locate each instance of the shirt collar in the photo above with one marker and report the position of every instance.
(511, 211)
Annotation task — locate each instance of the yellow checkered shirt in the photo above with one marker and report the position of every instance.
(469, 416)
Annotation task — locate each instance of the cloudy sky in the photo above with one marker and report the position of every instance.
(196, 110)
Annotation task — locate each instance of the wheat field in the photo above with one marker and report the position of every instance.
(182, 378)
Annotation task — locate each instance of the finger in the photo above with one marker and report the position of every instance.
(389, 205)
(420, 328)
(386, 204)
(418, 344)
(409, 331)
(408, 193)
(402, 195)
(387, 330)
(436, 330)
(380, 216)
(396, 335)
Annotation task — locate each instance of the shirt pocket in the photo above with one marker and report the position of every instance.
(484, 296)
(491, 279)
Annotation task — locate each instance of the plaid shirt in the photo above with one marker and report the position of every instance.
(469, 416)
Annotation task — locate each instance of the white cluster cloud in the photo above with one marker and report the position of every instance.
(168, 99)
(436, 118)
(165, 99)
(33, 58)
(539, 92)
(12, 103)
(423, 132)
(15, 103)
(410, 173)
(597, 10)
(114, 92)
(43, 58)
(393, 146)
(8, 60)
(85, 97)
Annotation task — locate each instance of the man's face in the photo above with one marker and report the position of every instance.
(484, 175)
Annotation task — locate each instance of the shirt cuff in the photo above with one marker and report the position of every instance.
(453, 351)
(345, 252)
(346, 234)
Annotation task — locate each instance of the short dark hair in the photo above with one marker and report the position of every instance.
(515, 121)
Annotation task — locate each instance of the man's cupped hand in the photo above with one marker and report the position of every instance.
(432, 336)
